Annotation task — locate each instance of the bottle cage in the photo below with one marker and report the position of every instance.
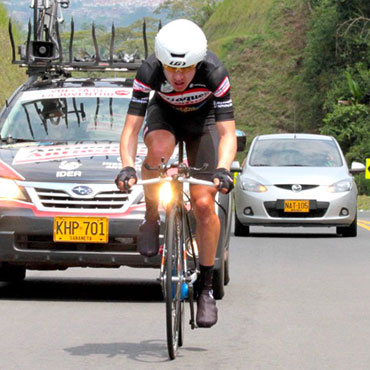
(46, 57)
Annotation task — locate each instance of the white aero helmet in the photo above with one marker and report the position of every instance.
(180, 43)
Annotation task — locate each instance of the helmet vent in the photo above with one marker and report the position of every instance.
(177, 55)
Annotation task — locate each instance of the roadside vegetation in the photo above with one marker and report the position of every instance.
(11, 76)
(295, 65)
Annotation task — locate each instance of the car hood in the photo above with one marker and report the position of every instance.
(296, 175)
(77, 162)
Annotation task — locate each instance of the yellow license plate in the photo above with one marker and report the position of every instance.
(81, 229)
(296, 205)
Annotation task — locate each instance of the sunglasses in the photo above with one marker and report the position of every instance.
(178, 69)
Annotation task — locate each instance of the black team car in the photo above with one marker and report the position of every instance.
(59, 155)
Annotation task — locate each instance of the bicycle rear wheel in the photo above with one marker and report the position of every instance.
(173, 281)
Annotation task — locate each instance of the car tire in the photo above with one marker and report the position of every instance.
(239, 228)
(348, 231)
(10, 273)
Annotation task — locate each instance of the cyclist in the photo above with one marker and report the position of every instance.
(191, 102)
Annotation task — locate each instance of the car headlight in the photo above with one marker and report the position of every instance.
(10, 190)
(341, 186)
(252, 185)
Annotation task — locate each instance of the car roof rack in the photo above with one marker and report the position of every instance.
(45, 58)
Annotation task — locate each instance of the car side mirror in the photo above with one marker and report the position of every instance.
(241, 139)
(357, 167)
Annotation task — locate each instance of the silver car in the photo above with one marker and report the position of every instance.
(296, 180)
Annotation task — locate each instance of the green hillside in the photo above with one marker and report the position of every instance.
(11, 75)
(261, 43)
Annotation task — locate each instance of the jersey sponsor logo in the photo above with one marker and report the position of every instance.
(193, 85)
(139, 86)
(140, 101)
(189, 97)
(223, 88)
(223, 104)
(166, 87)
(187, 109)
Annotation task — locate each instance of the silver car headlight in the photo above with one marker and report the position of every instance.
(341, 186)
(253, 186)
(10, 190)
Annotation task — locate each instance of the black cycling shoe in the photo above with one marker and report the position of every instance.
(207, 310)
(148, 238)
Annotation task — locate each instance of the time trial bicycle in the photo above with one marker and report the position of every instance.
(179, 268)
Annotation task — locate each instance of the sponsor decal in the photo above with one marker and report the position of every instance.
(112, 165)
(122, 92)
(65, 165)
(189, 97)
(86, 92)
(117, 166)
(69, 173)
(57, 152)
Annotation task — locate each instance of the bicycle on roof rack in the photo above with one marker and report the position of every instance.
(43, 53)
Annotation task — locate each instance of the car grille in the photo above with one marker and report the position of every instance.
(276, 209)
(53, 198)
(289, 186)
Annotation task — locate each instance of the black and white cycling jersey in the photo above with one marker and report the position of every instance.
(209, 89)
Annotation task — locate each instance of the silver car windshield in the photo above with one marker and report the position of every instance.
(295, 153)
(66, 119)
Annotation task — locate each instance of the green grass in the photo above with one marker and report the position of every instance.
(261, 43)
(363, 202)
(11, 75)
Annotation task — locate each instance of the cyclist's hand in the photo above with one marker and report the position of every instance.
(126, 178)
(223, 180)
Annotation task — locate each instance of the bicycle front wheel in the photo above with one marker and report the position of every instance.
(174, 279)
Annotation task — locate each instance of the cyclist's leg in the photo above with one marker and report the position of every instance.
(207, 223)
(201, 150)
(159, 137)
(160, 141)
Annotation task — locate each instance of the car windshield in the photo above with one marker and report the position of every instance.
(89, 114)
(295, 153)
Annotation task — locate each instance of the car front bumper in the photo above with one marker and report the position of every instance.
(27, 240)
(326, 209)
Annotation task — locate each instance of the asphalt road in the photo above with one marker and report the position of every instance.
(297, 299)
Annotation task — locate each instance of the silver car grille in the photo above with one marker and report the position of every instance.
(53, 198)
(68, 197)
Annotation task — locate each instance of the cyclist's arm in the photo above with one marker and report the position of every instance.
(128, 144)
(227, 144)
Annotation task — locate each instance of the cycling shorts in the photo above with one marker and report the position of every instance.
(198, 131)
